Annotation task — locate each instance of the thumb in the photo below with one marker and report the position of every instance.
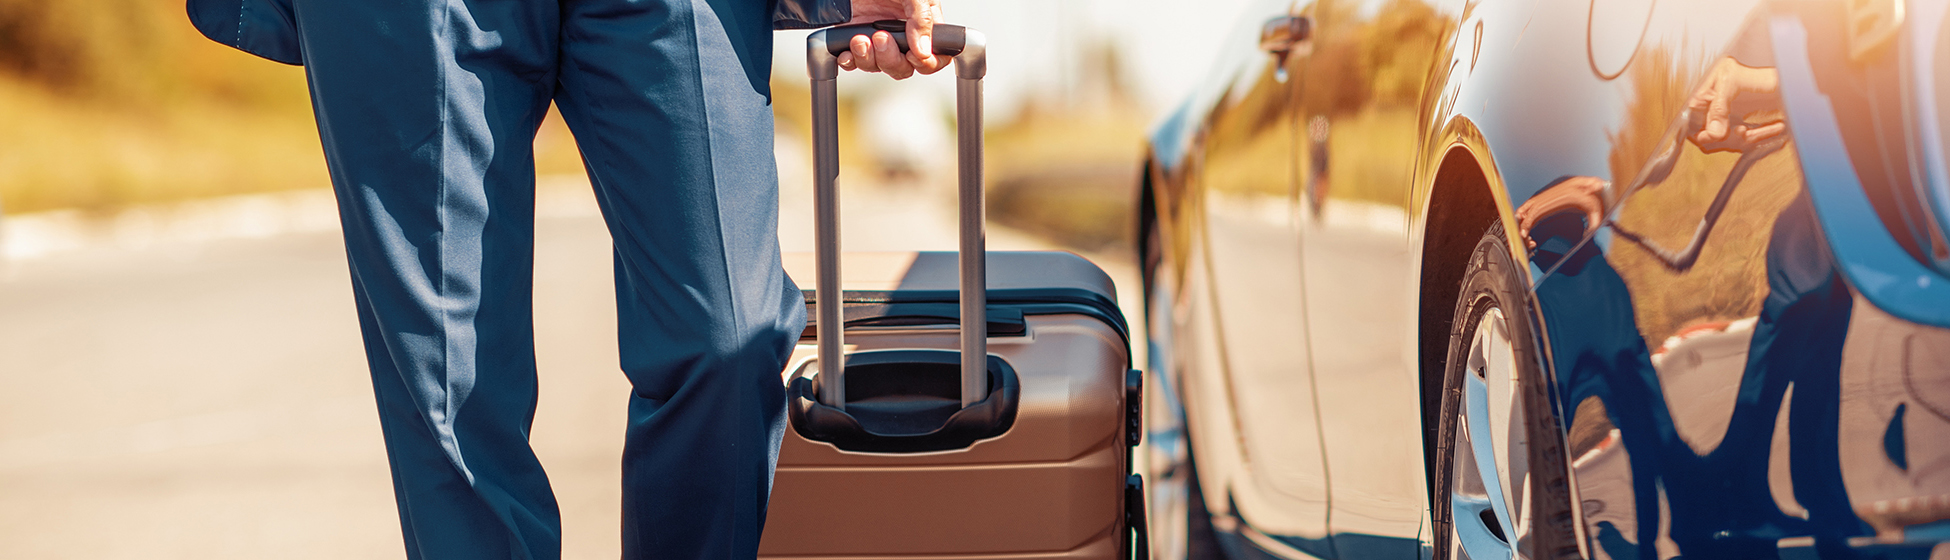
(920, 32)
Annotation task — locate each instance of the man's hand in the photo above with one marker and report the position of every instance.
(1579, 194)
(1737, 107)
(880, 54)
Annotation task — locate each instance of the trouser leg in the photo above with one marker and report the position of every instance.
(669, 101)
(428, 112)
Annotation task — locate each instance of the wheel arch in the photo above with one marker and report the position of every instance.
(1462, 200)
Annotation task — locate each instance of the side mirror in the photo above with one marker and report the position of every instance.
(1281, 34)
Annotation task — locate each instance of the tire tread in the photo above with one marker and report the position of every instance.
(1491, 274)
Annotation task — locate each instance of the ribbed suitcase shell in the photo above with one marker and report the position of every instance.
(1050, 487)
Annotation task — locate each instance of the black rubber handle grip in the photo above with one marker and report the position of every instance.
(948, 39)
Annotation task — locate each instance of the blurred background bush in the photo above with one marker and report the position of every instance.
(114, 102)
(110, 103)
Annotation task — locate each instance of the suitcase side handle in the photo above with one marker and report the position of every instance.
(970, 51)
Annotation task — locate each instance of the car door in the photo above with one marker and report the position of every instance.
(1250, 208)
(1361, 90)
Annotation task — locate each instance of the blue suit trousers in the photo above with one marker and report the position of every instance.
(428, 112)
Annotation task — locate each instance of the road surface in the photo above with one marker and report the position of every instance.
(175, 389)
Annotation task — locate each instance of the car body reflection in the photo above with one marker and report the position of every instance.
(1733, 223)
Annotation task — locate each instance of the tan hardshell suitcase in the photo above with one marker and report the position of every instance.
(1011, 441)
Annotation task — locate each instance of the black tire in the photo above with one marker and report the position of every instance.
(1493, 282)
(1201, 542)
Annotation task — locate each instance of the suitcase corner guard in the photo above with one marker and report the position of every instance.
(905, 401)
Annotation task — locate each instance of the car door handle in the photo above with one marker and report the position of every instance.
(1281, 34)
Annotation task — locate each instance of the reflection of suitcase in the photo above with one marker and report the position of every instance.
(913, 452)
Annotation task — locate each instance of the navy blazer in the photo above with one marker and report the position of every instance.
(265, 27)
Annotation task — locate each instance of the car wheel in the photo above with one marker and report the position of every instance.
(1501, 488)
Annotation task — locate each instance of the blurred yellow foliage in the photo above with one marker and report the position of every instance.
(1066, 167)
(111, 102)
(1361, 78)
(107, 103)
(1068, 175)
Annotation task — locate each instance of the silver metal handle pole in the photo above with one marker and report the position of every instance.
(831, 327)
(971, 65)
(974, 236)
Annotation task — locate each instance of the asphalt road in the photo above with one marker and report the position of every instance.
(187, 393)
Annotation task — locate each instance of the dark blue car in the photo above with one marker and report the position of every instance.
(1552, 279)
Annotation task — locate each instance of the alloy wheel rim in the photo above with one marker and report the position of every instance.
(1488, 473)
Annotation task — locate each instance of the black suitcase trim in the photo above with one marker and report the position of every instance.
(905, 401)
(1028, 301)
(1003, 321)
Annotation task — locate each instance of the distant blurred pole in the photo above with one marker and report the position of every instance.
(1065, 52)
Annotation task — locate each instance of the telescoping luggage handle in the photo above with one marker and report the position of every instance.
(969, 49)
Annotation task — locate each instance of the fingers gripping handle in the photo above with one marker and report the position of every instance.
(948, 39)
(969, 49)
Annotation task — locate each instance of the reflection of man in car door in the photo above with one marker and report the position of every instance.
(1721, 504)
(1797, 339)
(1597, 348)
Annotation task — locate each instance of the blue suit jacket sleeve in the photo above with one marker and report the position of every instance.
(265, 27)
(260, 27)
(809, 14)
